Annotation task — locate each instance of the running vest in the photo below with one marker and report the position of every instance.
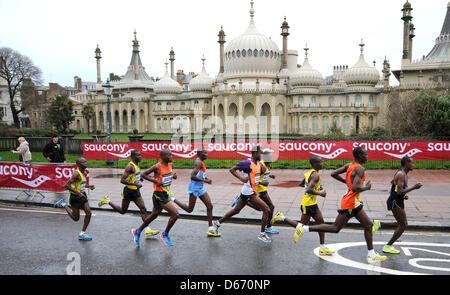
(198, 185)
(165, 177)
(135, 177)
(310, 200)
(394, 187)
(351, 199)
(81, 185)
(251, 186)
(263, 178)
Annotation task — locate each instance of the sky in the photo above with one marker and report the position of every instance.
(60, 36)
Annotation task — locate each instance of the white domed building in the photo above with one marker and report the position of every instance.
(260, 89)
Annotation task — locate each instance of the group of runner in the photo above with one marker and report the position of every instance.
(255, 176)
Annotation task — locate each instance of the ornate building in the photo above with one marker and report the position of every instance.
(259, 89)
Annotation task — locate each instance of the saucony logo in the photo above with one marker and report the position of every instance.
(333, 155)
(186, 156)
(409, 154)
(124, 155)
(33, 183)
(244, 154)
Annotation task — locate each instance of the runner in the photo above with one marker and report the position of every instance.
(197, 190)
(262, 189)
(252, 170)
(395, 202)
(162, 179)
(351, 206)
(131, 178)
(77, 198)
(309, 208)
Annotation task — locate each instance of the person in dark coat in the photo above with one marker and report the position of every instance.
(54, 151)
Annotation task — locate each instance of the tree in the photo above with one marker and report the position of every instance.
(60, 112)
(14, 68)
(88, 113)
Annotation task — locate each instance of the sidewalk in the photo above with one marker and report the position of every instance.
(428, 207)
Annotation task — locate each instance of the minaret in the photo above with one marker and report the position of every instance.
(172, 59)
(285, 34)
(98, 57)
(386, 72)
(411, 36)
(407, 17)
(222, 50)
(136, 56)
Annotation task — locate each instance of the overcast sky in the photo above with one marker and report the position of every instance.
(60, 36)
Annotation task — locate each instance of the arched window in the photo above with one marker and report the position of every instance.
(347, 125)
(347, 101)
(238, 53)
(358, 101)
(233, 54)
(331, 101)
(267, 53)
(305, 125)
(244, 53)
(336, 121)
(325, 125)
(371, 102)
(271, 54)
(261, 53)
(301, 101)
(313, 101)
(249, 53)
(315, 125)
(370, 122)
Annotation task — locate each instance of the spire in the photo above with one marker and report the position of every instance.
(362, 46)
(252, 10)
(203, 63)
(306, 50)
(135, 43)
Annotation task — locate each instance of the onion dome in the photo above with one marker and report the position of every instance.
(252, 54)
(362, 73)
(167, 85)
(306, 75)
(203, 82)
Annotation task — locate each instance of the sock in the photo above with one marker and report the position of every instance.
(262, 234)
(322, 246)
(371, 253)
(305, 229)
(82, 233)
(108, 201)
(283, 218)
(146, 229)
(217, 223)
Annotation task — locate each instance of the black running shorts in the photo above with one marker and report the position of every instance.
(351, 212)
(77, 202)
(160, 197)
(130, 194)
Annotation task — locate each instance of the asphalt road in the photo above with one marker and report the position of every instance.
(39, 241)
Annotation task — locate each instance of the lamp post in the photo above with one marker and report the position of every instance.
(108, 88)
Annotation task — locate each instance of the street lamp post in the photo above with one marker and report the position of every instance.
(108, 88)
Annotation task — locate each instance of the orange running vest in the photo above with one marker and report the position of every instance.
(351, 199)
(165, 177)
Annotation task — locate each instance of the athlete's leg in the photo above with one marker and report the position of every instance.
(319, 220)
(235, 210)
(188, 208)
(209, 207)
(141, 205)
(174, 215)
(256, 201)
(150, 218)
(367, 224)
(266, 198)
(87, 217)
(400, 216)
(122, 210)
(339, 223)
(73, 213)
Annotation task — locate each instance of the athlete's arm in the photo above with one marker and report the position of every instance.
(313, 179)
(336, 173)
(156, 171)
(197, 166)
(399, 180)
(75, 178)
(129, 170)
(233, 171)
(302, 184)
(359, 174)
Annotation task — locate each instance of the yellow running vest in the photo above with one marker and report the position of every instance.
(81, 185)
(263, 178)
(135, 177)
(310, 200)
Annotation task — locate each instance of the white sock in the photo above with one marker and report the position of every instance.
(371, 253)
(217, 223)
(305, 229)
(262, 234)
(146, 229)
(211, 228)
(82, 232)
(282, 218)
(108, 201)
(322, 246)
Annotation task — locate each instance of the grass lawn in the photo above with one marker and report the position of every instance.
(188, 164)
(118, 137)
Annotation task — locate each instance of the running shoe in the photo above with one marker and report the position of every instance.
(265, 238)
(236, 200)
(376, 258)
(298, 232)
(151, 233)
(326, 252)
(84, 237)
(271, 230)
(136, 235)
(390, 249)
(103, 202)
(212, 232)
(165, 238)
(277, 218)
(376, 226)
(60, 204)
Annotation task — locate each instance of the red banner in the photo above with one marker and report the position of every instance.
(283, 150)
(37, 177)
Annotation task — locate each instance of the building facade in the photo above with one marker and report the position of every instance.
(260, 88)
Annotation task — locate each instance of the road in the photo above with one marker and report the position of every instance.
(38, 241)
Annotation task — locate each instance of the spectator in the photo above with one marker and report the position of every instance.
(54, 151)
(23, 150)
